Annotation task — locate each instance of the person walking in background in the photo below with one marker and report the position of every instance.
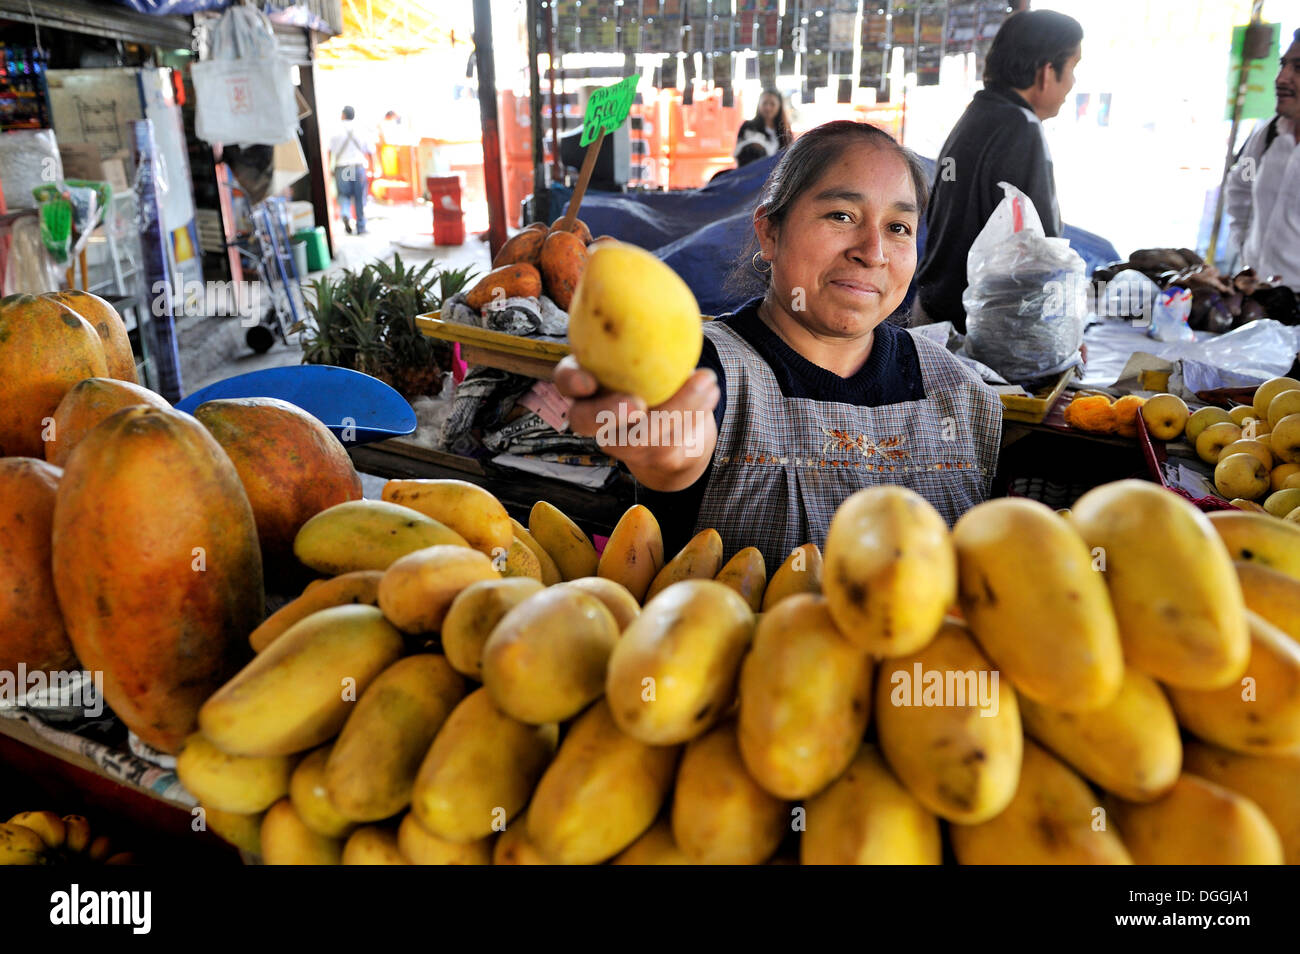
(769, 128)
(1028, 74)
(350, 152)
(1263, 190)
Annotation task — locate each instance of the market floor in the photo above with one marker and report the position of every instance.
(390, 230)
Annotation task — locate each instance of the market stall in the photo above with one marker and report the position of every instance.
(1041, 606)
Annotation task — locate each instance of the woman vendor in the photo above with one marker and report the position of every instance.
(813, 394)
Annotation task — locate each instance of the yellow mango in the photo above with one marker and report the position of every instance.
(800, 573)
(298, 692)
(614, 595)
(359, 587)
(1270, 781)
(1259, 538)
(1260, 714)
(466, 508)
(546, 658)
(519, 562)
(805, 698)
(1273, 595)
(514, 848)
(720, 815)
(746, 573)
(480, 771)
(1197, 823)
(311, 799)
(949, 728)
(242, 831)
(890, 570)
(655, 847)
(603, 790)
(1171, 582)
(417, 589)
(372, 845)
(673, 673)
(371, 769)
(569, 547)
(634, 324)
(472, 616)
(419, 846)
(287, 841)
(241, 784)
(1130, 746)
(634, 553)
(549, 570)
(1054, 819)
(1035, 604)
(367, 535)
(866, 817)
(700, 559)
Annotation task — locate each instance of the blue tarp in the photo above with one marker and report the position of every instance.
(703, 233)
(167, 8)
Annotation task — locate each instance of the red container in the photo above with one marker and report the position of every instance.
(448, 218)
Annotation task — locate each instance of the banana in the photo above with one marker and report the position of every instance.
(466, 508)
(1261, 539)
(20, 845)
(746, 573)
(559, 536)
(891, 570)
(367, 535)
(550, 572)
(634, 554)
(359, 587)
(699, 559)
(800, 573)
(49, 826)
(78, 836)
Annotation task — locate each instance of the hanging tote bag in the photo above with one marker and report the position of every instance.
(244, 90)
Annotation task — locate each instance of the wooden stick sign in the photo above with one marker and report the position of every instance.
(607, 109)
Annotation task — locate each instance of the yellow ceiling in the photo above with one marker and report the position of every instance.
(385, 29)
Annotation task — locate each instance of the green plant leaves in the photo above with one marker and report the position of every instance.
(364, 319)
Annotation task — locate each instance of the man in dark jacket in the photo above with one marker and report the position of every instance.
(1028, 73)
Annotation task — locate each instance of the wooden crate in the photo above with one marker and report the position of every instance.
(1034, 408)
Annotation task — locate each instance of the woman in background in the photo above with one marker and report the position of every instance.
(769, 128)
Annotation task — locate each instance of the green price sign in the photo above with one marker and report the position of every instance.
(1260, 101)
(607, 109)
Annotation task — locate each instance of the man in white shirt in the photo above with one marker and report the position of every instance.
(1263, 189)
(349, 151)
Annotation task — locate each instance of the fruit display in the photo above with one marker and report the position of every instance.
(574, 723)
(540, 260)
(1097, 414)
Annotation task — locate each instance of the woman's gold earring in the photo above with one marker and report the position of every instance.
(757, 259)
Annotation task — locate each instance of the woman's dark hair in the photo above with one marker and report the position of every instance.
(779, 121)
(799, 169)
(751, 153)
(1025, 42)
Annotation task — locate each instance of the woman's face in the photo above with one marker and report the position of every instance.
(845, 253)
(768, 106)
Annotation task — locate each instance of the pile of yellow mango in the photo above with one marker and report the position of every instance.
(1119, 685)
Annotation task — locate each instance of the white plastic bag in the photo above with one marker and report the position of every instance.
(244, 90)
(1169, 316)
(1026, 297)
(29, 159)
